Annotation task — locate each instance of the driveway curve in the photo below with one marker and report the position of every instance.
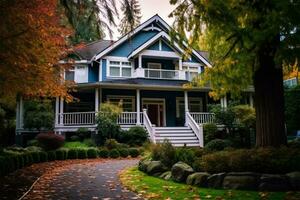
(84, 181)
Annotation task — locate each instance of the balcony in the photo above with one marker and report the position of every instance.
(160, 74)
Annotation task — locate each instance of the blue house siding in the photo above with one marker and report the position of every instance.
(166, 47)
(154, 46)
(131, 44)
(93, 73)
(104, 68)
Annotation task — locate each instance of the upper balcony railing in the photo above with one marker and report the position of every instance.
(159, 74)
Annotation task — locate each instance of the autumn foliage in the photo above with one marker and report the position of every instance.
(32, 41)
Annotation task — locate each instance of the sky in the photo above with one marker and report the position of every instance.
(148, 9)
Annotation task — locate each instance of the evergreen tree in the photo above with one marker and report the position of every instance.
(249, 41)
(131, 16)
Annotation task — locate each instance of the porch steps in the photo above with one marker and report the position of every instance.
(177, 136)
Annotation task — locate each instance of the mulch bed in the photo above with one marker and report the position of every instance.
(14, 185)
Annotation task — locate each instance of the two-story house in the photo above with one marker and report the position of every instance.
(145, 71)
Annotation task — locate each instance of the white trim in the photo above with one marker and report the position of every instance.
(56, 110)
(76, 62)
(61, 111)
(154, 64)
(168, 54)
(108, 97)
(159, 45)
(96, 99)
(118, 59)
(100, 71)
(191, 64)
(151, 28)
(156, 101)
(178, 99)
(138, 106)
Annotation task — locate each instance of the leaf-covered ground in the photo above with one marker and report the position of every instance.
(155, 188)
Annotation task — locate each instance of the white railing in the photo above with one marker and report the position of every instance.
(197, 129)
(161, 73)
(76, 118)
(148, 125)
(129, 118)
(203, 117)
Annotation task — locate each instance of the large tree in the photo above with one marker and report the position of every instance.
(32, 41)
(249, 41)
(131, 12)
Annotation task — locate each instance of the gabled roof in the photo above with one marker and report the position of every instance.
(90, 50)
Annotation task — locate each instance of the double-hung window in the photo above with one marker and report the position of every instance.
(191, 72)
(119, 69)
(70, 74)
(127, 103)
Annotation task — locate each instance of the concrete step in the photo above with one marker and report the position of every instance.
(174, 134)
(171, 131)
(172, 128)
(181, 141)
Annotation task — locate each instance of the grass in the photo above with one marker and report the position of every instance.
(155, 188)
(75, 145)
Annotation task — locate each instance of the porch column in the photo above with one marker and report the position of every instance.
(180, 63)
(21, 113)
(140, 61)
(186, 105)
(56, 110)
(18, 115)
(223, 102)
(61, 111)
(138, 107)
(251, 100)
(96, 100)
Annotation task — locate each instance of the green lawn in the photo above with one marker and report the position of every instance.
(156, 188)
(75, 145)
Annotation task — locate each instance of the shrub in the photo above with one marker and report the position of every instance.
(292, 109)
(114, 153)
(33, 149)
(136, 135)
(185, 155)
(103, 153)
(89, 142)
(33, 142)
(134, 152)
(72, 154)
(28, 160)
(83, 133)
(123, 152)
(92, 153)
(111, 144)
(217, 145)
(51, 155)
(164, 152)
(107, 122)
(82, 153)
(50, 141)
(61, 154)
(245, 115)
(74, 138)
(209, 131)
(43, 156)
(35, 156)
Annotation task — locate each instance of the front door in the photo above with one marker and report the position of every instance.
(155, 111)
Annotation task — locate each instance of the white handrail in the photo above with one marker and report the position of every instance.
(203, 117)
(197, 129)
(149, 126)
(74, 118)
(161, 73)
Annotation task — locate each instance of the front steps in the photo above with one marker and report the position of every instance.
(177, 136)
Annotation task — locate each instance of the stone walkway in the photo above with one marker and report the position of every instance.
(83, 181)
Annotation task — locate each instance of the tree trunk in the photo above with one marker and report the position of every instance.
(269, 102)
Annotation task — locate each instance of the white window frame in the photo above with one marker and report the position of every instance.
(72, 69)
(120, 60)
(179, 99)
(191, 69)
(154, 65)
(109, 97)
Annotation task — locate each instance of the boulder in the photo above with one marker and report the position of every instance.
(274, 182)
(180, 171)
(143, 164)
(294, 178)
(166, 175)
(241, 181)
(215, 180)
(198, 179)
(155, 168)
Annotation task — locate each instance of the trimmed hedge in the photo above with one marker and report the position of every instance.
(82, 153)
(92, 153)
(114, 153)
(134, 152)
(123, 152)
(61, 154)
(72, 154)
(103, 153)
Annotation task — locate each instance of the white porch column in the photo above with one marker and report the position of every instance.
(138, 107)
(56, 110)
(18, 114)
(61, 111)
(140, 61)
(21, 112)
(180, 64)
(186, 105)
(251, 100)
(96, 100)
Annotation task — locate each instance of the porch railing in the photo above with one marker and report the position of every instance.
(203, 117)
(196, 127)
(161, 73)
(148, 125)
(129, 118)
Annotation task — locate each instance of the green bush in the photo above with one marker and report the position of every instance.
(43, 156)
(50, 141)
(35, 156)
(72, 154)
(33, 142)
(217, 145)
(82, 153)
(164, 152)
(51, 155)
(111, 144)
(134, 152)
(74, 138)
(114, 153)
(61, 154)
(92, 153)
(33, 149)
(185, 155)
(123, 152)
(292, 109)
(83, 133)
(103, 153)
(210, 132)
(135, 136)
(89, 142)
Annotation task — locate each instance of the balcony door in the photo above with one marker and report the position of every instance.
(156, 111)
